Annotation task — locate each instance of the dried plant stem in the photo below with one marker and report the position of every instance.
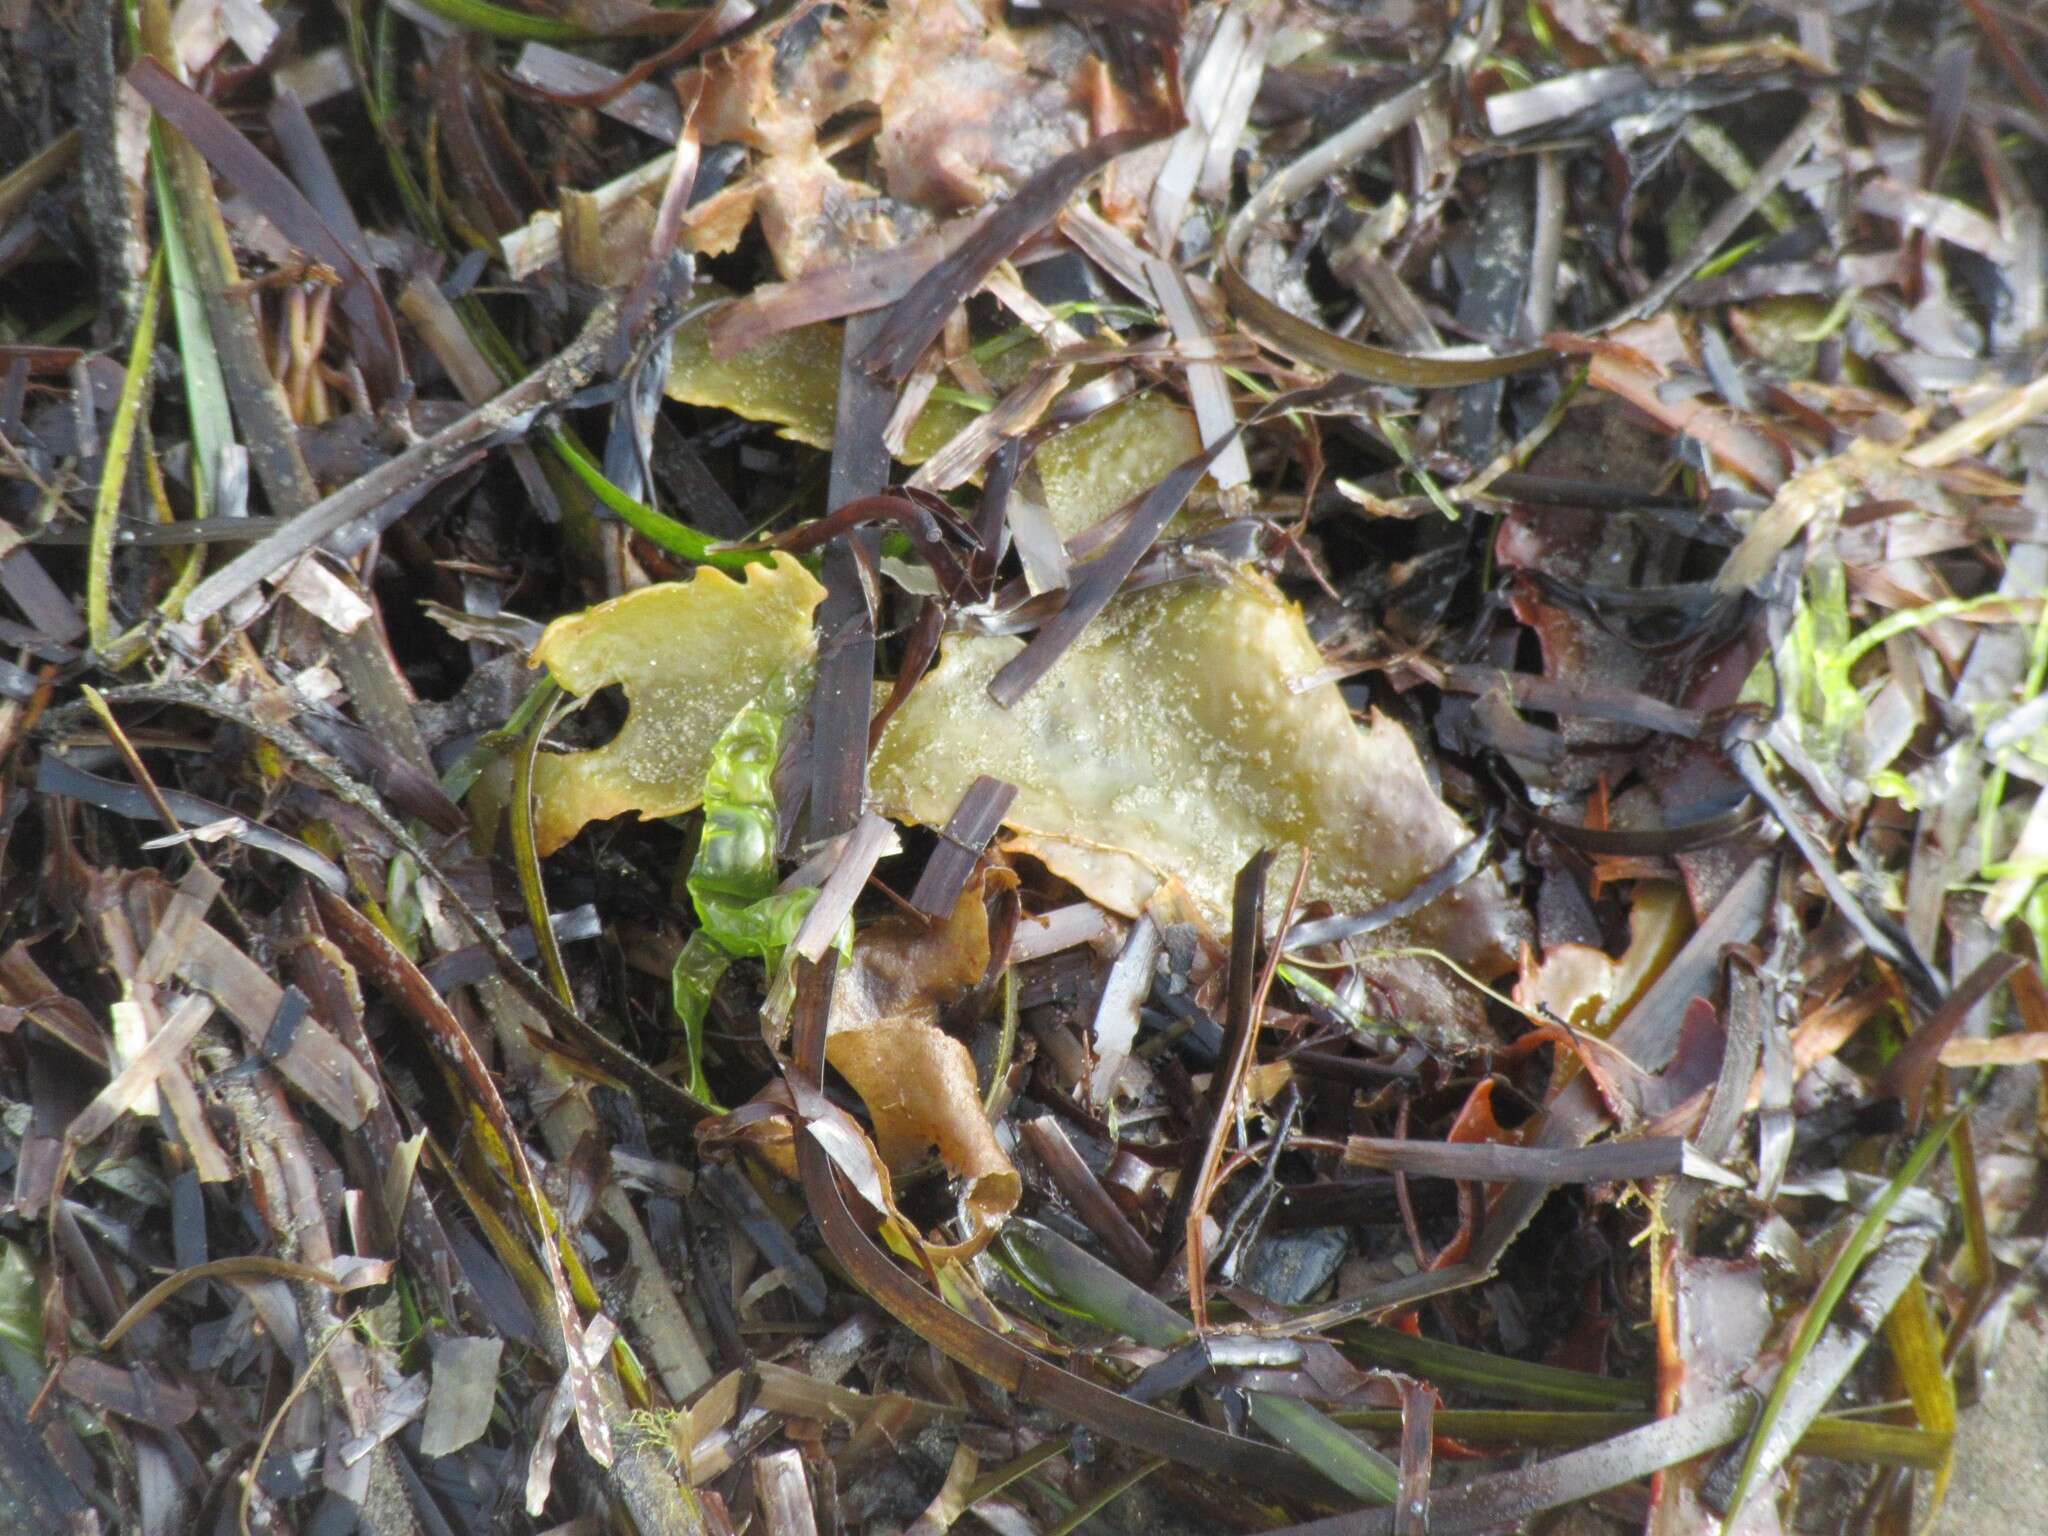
(380, 695)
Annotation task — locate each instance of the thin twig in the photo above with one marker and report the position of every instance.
(507, 417)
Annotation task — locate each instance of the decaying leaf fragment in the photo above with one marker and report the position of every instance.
(1181, 734)
(463, 1392)
(917, 1081)
(690, 656)
(1588, 989)
(968, 109)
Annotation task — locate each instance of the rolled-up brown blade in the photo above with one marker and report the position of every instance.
(1306, 343)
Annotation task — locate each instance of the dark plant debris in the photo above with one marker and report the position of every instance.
(1335, 717)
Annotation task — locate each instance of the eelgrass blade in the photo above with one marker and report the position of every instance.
(120, 445)
(1492, 1376)
(502, 21)
(526, 853)
(1107, 1298)
(1835, 1436)
(1326, 1445)
(208, 416)
(1832, 1288)
(1092, 1506)
(658, 528)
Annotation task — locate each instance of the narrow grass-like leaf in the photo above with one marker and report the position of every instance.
(1090, 1507)
(1982, 1267)
(375, 69)
(1290, 335)
(1326, 1445)
(1646, 1157)
(208, 416)
(21, 1316)
(1832, 1288)
(991, 1483)
(1725, 158)
(1307, 342)
(1910, 1073)
(1904, 620)
(1391, 430)
(379, 960)
(1729, 258)
(503, 21)
(373, 331)
(526, 856)
(120, 444)
(1837, 1437)
(917, 317)
(1325, 996)
(58, 775)
(1493, 1376)
(1505, 1500)
(1092, 1288)
(460, 779)
(1107, 1298)
(1840, 1438)
(658, 528)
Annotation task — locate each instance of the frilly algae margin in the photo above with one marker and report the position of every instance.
(690, 656)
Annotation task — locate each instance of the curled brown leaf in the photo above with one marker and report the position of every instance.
(917, 1081)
